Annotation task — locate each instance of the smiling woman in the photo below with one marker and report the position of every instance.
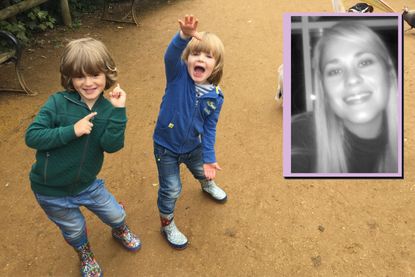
(355, 107)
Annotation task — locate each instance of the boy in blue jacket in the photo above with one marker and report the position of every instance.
(186, 127)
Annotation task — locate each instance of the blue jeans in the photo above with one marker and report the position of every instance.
(168, 165)
(65, 212)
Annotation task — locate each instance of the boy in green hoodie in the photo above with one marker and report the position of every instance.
(71, 133)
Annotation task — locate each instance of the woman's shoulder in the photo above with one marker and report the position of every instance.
(302, 117)
(303, 148)
(302, 123)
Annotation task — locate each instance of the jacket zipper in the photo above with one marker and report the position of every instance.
(191, 123)
(85, 148)
(193, 116)
(46, 167)
(81, 164)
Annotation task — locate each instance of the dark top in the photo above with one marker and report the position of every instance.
(362, 154)
(67, 164)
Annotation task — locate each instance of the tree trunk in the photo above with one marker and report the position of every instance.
(66, 14)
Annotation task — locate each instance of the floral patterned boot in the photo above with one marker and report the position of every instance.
(89, 266)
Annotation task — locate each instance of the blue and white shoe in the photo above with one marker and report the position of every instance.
(213, 190)
(169, 230)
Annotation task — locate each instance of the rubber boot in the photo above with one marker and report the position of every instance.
(213, 190)
(124, 235)
(174, 237)
(89, 266)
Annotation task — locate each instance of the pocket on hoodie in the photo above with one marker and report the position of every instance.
(170, 123)
(42, 167)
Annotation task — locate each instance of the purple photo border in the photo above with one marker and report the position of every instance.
(287, 100)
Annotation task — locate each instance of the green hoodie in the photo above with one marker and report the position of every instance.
(67, 164)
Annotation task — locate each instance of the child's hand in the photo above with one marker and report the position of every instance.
(210, 170)
(188, 27)
(118, 97)
(84, 126)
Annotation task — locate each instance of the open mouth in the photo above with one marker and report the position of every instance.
(199, 70)
(357, 98)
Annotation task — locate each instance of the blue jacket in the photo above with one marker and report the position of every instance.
(184, 121)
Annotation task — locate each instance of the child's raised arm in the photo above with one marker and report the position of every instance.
(172, 57)
(188, 27)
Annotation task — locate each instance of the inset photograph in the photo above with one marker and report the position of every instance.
(342, 95)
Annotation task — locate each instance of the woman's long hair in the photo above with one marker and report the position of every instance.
(331, 152)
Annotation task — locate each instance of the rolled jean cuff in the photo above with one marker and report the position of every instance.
(117, 225)
(78, 241)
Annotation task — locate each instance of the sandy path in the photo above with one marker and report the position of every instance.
(270, 226)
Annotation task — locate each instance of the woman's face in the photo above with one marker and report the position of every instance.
(356, 81)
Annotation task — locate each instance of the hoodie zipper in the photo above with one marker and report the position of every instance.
(191, 123)
(195, 110)
(75, 184)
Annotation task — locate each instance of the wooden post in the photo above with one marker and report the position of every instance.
(19, 7)
(66, 14)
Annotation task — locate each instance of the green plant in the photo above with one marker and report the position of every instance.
(18, 29)
(85, 6)
(39, 20)
(46, 16)
(28, 22)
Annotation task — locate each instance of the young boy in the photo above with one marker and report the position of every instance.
(71, 133)
(186, 125)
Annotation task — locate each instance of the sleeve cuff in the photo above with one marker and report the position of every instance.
(67, 134)
(119, 115)
(209, 157)
(179, 42)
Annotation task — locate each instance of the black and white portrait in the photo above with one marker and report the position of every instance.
(345, 96)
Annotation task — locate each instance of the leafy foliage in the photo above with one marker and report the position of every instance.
(18, 29)
(39, 20)
(45, 16)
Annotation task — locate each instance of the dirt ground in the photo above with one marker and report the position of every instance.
(270, 226)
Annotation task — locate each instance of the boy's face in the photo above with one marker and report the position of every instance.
(89, 87)
(200, 66)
